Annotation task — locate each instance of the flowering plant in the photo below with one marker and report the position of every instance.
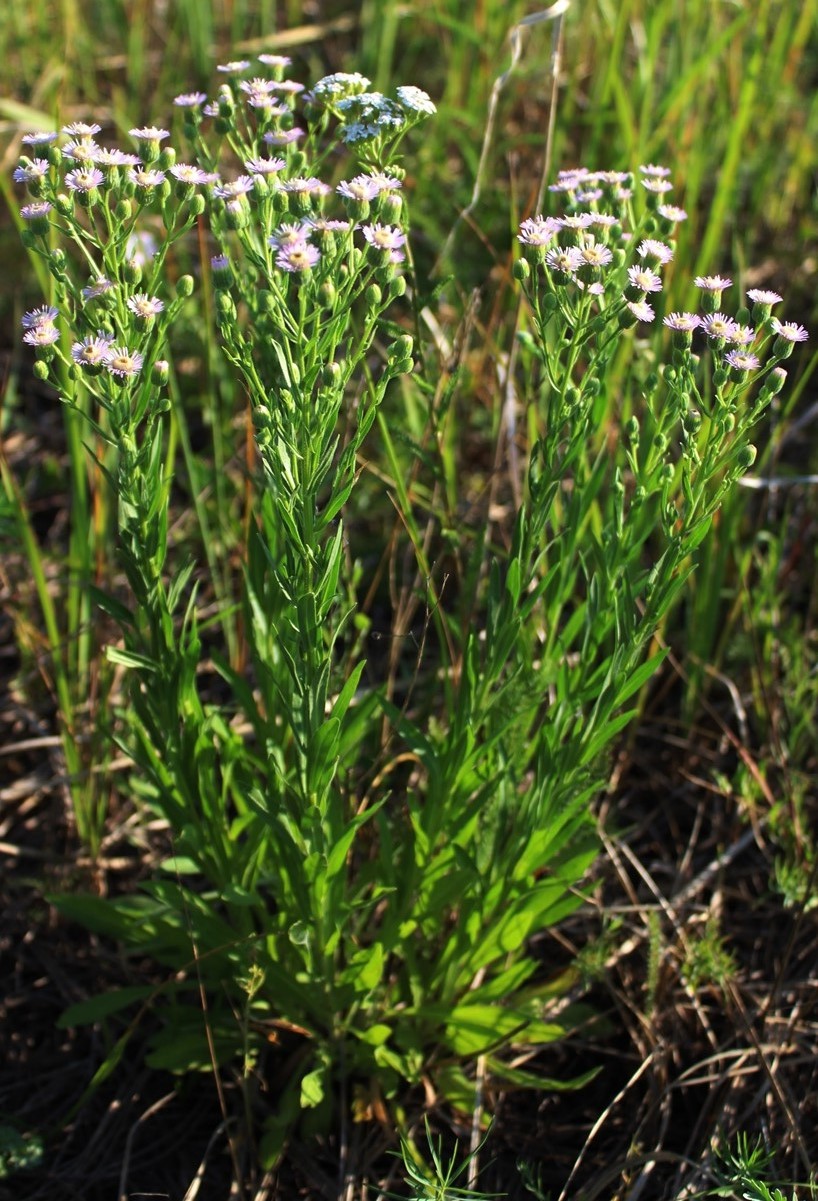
(357, 930)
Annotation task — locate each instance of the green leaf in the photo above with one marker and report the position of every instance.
(639, 677)
(604, 736)
(111, 606)
(126, 658)
(85, 1013)
(366, 967)
(375, 1035)
(313, 1087)
(508, 1075)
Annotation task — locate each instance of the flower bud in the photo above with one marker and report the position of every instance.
(63, 204)
(397, 287)
(330, 375)
(328, 294)
(692, 422)
(132, 272)
(746, 456)
(373, 296)
(401, 348)
(389, 207)
(184, 286)
(631, 430)
(167, 159)
(197, 205)
(521, 270)
(40, 369)
(222, 272)
(123, 209)
(225, 308)
(774, 382)
(160, 371)
(236, 214)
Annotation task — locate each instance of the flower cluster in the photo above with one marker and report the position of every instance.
(122, 210)
(605, 257)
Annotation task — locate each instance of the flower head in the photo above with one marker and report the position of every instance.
(123, 362)
(742, 335)
(789, 331)
(384, 237)
(98, 288)
(576, 221)
(190, 99)
(146, 177)
(358, 131)
(657, 252)
(683, 322)
(340, 85)
(93, 351)
(79, 129)
(188, 174)
(657, 186)
(37, 214)
(39, 138)
(641, 310)
(149, 133)
(645, 280)
(538, 231)
(150, 138)
(275, 60)
(44, 334)
(761, 296)
(283, 137)
(234, 67)
(116, 158)
(300, 257)
(595, 254)
(742, 360)
(31, 172)
(564, 262)
(719, 325)
(265, 166)
(304, 186)
(362, 187)
(290, 235)
(84, 179)
(415, 100)
(712, 283)
(82, 151)
(651, 171)
(671, 213)
(235, 189)
(46, 315)
(145, 307)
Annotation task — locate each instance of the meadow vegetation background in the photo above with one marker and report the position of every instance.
(689, 969)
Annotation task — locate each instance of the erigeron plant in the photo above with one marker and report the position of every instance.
(379, 934)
